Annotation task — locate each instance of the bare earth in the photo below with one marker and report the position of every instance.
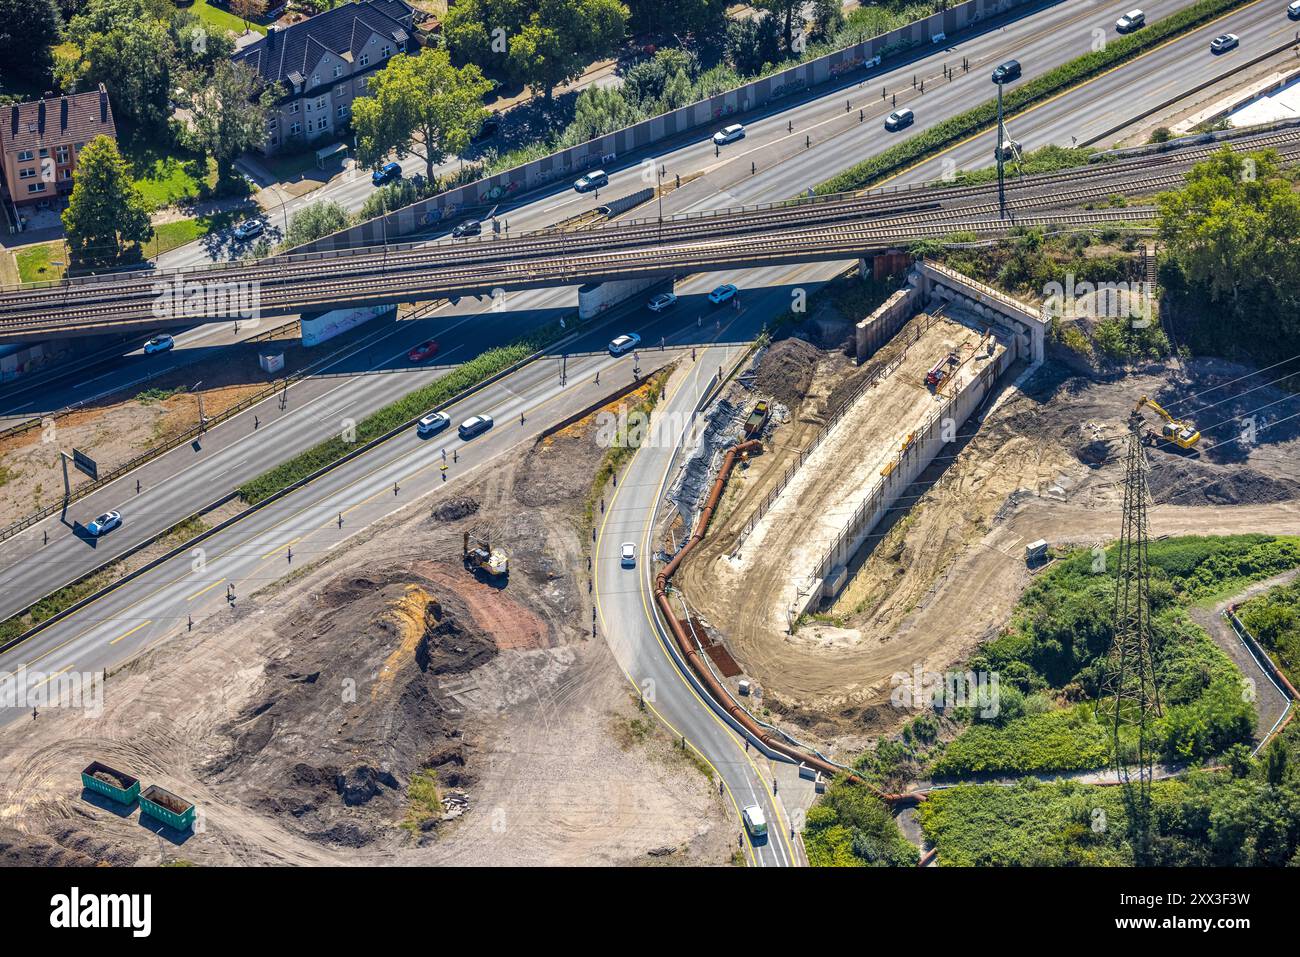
(297, 722)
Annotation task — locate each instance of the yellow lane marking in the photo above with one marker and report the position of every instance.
(131, 632)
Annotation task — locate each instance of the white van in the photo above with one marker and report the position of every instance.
(755, 821)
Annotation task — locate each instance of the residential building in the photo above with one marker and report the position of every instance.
(320, 65)
(40, 143)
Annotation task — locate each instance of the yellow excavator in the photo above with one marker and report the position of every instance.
(480, 556)
(1181, 432)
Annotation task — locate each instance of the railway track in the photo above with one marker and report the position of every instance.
(843, 241)
(87, 302)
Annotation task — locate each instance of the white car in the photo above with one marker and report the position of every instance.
(1131, 21)
(593, 180)
(433, 423)
(158, 344)
(899, 119)
(248, 229)
(475, 425)
(665, 300)
(624, 344)
(105, 523)
(1224, 42)
(627, 555)
(729, 134)
(755, 821)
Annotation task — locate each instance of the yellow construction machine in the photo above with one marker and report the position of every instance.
(482, 557)
(1181, 432)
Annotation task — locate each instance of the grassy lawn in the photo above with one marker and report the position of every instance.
(164, 173)
(169, 236)
(36, 263)
(222, 19)
(287, 167)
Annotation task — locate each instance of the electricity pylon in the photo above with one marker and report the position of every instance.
(1130, 700)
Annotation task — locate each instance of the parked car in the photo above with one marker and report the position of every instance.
(593, 180)
(105, 523)
(723, 293)
(1131, 21)
(899, 119)
(425, 350)
(624, 344)
(471, 227)
(729, 134)
(627, 555)
(1224, 42)
(433, 423)
(249, 228)
(755, 822)
(475, 425)
(491, 126)
(386, 174)
(1006, 72)
(665, 300)
(159, 344)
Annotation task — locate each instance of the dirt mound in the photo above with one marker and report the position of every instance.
(786, 370)
(455, 509)
(359, 679)
(1175, 480)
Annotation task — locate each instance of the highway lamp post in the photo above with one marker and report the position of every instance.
(1002, 196)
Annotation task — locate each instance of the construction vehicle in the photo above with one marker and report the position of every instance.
(757, 419)
(482, 557)
(941, 370)
(1181, 432)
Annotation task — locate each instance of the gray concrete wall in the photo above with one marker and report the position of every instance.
(930, 438)
(1027, 321)
(879, 327)
(606, 149)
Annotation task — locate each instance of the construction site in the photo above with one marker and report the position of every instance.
(825, 580)
(432, 703)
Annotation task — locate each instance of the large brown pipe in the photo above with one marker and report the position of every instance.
(705, 674)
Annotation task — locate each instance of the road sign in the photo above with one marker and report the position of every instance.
(84, 463)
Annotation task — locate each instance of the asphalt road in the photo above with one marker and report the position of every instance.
(173, 488)
(775, 145)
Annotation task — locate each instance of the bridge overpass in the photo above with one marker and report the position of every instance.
(807, 230)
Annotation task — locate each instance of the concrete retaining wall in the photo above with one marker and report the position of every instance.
(1026, 321)
(940, 427)
(706, 113)
(881, 326)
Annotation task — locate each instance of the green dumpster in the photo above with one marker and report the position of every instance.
(114, 784)
(167, 807)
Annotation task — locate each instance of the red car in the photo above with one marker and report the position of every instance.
(425, 350)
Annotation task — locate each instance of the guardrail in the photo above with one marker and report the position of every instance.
(176, 440)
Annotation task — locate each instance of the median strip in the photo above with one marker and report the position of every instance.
(1076, 72)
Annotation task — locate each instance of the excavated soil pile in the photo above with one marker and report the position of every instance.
(352, 708)
(786, 370)
(1183, 481)
(455, 509)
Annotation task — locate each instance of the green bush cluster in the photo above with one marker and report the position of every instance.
(411, 406)
(1274, 619)
(851, 827)
(983, 116)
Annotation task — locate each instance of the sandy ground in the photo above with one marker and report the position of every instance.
(944, 572)
(298, 721)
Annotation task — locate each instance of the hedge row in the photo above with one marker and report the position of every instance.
(984, 116)
(411, 406)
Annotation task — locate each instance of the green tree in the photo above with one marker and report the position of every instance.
(106, 212)
(1234, 224)
(543, 46)
(784, 10)
(28, 28)
(229, 113)
(421, 105)
(125, 45)
(678, 17)
(314, 221)
(198, 46)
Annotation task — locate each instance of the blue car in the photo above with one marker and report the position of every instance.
(386, 173)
